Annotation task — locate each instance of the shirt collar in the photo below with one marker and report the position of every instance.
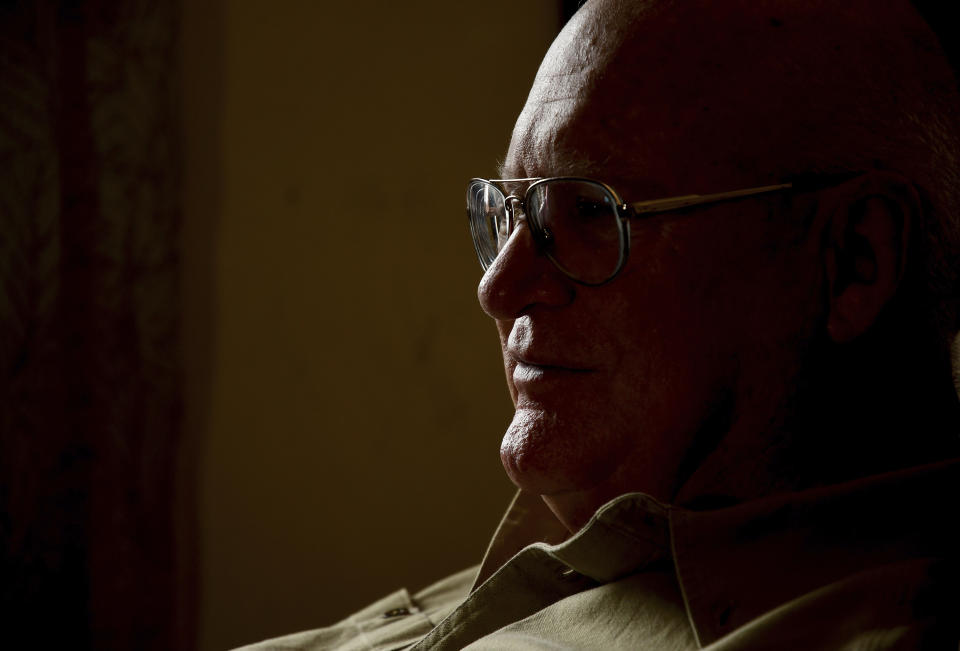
(527, 521)
(735, 563)
(623, 536)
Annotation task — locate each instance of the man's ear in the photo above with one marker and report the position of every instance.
(865, 249)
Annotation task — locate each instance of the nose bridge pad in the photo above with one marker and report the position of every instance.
(516, 205)
(511, 210)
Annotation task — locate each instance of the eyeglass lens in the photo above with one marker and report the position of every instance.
(575, 221)
(488, 220)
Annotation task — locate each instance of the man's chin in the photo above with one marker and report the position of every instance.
(544, 455)
(570, 494)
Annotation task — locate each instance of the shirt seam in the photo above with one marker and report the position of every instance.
(680, 578)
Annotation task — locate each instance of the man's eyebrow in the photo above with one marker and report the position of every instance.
(573, 163)
(572, 168)
(502, 170)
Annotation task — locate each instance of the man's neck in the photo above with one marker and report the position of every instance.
(859, 410)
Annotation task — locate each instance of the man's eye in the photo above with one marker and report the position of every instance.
(590, 208)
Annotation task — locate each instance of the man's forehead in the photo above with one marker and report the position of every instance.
(610, 94)
(740, 88)
(565, 128)
(573, 125)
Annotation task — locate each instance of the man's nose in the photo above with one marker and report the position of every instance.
(521, 277)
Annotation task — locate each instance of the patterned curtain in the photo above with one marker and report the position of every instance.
(95, 517)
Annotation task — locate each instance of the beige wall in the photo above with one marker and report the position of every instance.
(344, 387)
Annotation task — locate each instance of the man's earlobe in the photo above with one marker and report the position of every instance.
(866, 250)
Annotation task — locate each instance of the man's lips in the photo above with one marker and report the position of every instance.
(529, 370)
(547, 362)
(551, 367)
(524, 373)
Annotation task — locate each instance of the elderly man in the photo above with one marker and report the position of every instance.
(722, 260)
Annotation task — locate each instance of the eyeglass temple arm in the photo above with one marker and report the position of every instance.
(675, 203)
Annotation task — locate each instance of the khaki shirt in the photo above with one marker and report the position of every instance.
(869, 564)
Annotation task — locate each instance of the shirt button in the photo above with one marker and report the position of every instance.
(396, 612)
(569, 574)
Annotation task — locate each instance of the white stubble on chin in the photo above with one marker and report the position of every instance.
(526, 446)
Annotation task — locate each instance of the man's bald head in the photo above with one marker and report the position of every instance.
(751, 346)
